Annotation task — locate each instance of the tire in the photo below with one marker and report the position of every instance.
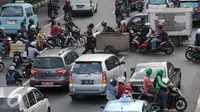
(49, 110)
(74, 98)
(2, 66)
(144, 50)
(96, 7)
(195, 60)
(170, 49)
(176, 41)
(177, 103)
(188, 54)
(73, 44)
(82, 41)
(51, 43)
(110, 49)
(133, 47)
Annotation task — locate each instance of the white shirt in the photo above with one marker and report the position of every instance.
(32, 51)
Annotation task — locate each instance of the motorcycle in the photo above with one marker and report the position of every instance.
(53, 16)
(6, 46)
(17, 59)
(136, 43)
(80, 38)
(26, 68)
(67, 17)
(195, 56)
(139, 6)
(165, 46)
(53, 41)
(175, 98)
(73, 43)
(189, 51)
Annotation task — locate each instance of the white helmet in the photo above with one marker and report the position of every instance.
(123, 22)
(33, 27)
(121, 79)
(33, 43)
(11, 68)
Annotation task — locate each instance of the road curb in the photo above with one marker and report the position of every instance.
(39, 4)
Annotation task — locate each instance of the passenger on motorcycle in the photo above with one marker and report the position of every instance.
(148, 87)
(111, 91)
(40, 39)
(13, 77)
(2, 37)
(32, 51)
(106, 28)
(197, 38)
(52, 6)
(67, 9)
(70, 24)
(121, 86)
(161, 86)
(53, 31)
(31, 33)
(158, 36)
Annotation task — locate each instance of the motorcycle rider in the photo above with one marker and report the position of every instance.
(197, 38)
(31, 22)
(70, 24)
(119, 11)
(53, 31)
(40, 39)
(52, 6)
(111, 91)
(31, 33)
(90, 39)
(2, 37)
(161, 86)
(32, 51)
(67, 9)
(148, 86)
(121, 86)
(158, 36)
(106, 28)
(13, 77)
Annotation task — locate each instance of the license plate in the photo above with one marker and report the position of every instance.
(11, 22)
(87, 82)
(80, 6)
(47, 83)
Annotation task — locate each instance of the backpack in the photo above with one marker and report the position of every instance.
(10, 78)
(156, 81)
(165, 36)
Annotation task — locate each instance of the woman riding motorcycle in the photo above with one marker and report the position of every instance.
(121, 86)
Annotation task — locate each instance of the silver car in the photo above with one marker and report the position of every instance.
(91, 73)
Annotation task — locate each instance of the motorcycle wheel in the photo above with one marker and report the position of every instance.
(188, 54)
(51, 43)
(170, 49)
(2, 66)
(195, 60)
(144, 50)
(73, 44)
(133, 47)
(180, 104)
(82, 41)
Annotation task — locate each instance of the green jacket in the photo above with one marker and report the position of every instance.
(158, 83)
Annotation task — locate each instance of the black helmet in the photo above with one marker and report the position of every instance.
(31, 21)
(113, 82)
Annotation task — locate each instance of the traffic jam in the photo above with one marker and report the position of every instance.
(99, 55)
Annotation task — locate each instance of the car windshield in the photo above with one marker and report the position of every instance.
(140, 72)
(188, 4)
(157, 2)
(87, 68)
(9, 105)
(48, 63)
(12, 11)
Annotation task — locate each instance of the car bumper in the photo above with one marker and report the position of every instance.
(82, 10)
(58, 83)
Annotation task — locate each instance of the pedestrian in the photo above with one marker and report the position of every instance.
(90, 39)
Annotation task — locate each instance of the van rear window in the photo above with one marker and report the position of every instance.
(12, 11)
(87, 68)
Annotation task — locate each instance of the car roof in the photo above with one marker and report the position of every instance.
(133, 105)
(94, 57)
(151, 64)
(8, 91)
(56, 52)
(18, 4)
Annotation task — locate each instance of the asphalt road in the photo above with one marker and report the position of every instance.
(61, 101)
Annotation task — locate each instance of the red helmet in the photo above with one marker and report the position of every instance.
(160, 25)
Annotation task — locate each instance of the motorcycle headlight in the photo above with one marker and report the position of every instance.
(24, 72)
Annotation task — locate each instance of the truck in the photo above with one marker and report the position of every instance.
(177, 22)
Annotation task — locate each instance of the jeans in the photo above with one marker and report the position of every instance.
(164, 98)
(153, 43)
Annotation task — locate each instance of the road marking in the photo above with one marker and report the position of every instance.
(113, 12)
(26, 82)
(98, 24)
(198, 105)
(56, 20)
(122, 59)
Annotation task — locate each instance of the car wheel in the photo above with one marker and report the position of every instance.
(49, 109)
(74, 97)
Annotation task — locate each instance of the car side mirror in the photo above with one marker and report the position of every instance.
(122, 63)
(45, 96)
(101, 108)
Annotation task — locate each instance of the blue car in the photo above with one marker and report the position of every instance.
(129, 106)
(13, 14)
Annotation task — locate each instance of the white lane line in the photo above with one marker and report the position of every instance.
(27, 82)
(113, 12)
(122, 59)
(198, 105)
(56, 20)
(98, 25)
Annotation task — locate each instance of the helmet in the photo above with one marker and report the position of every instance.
(160, 25)
(31, 21)
(33, 43)
(113, 82)
(160, 71)
(123, 22)
(148, 71)
(103, 23)
(68, 1)
(33, 27)
(121, 79)
(11, 68)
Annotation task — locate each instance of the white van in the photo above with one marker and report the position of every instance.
(89, 6)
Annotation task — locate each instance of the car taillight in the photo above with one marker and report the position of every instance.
(197, 9)
(34, 72)
(61, 72)
(104, 78)
(90, 3)
(147, 5)
(167, 5)
(128, 86)
(70, 77)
